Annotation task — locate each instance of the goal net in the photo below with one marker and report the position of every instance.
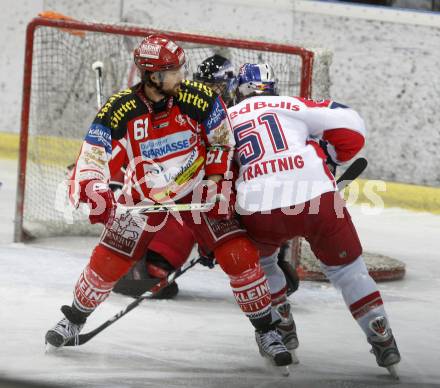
(60, 101)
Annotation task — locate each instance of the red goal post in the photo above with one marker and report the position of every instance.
(59, 101)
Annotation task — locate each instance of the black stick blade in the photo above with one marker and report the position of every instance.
(352, 172)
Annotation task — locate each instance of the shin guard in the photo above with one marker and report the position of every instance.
(251, 291)
(90, 290)
(359, 291)
(239, 259)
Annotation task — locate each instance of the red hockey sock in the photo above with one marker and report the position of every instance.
(279, 297)
(251, 291)
(90, 290)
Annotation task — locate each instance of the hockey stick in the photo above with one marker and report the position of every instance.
(174, 207)
(351, 173)
(83, 338)
(98, 66)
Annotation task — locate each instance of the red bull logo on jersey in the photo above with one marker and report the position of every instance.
(249, 107)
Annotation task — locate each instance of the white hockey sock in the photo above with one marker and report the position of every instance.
(277, 282)
(359, 291)
(275, 278)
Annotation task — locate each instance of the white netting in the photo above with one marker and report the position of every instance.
(63, 104)
(380, 267)
(322, 61)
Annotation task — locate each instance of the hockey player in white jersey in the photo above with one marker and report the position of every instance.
(285, 189)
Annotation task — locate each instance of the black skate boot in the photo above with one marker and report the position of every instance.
(384, 345)
(287, 328)
(69, 327)
(272, 348)
(159, 268)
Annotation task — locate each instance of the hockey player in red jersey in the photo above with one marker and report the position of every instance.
(167, 251)
(285, 189)
(175, 133)
(171, 246)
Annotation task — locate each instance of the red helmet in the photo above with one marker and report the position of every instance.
(157, 53)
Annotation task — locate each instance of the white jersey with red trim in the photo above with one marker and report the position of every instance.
(281, 163)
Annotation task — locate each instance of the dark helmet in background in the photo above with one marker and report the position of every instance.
(218, 73)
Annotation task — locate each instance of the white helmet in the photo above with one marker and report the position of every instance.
(257, 79)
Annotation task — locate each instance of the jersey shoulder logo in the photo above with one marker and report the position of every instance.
(196, 100)
(216, 116)
(201, 87)
(309, 103)
(119, 108)
(100, 135)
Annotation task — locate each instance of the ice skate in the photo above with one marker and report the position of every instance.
(287, 329)
(384, 345)
(69, 327)
(272, 348)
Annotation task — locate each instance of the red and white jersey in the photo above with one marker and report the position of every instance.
(280, 161)
(167, 151)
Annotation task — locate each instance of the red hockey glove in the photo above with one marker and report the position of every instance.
(101, 201)
(223, 196)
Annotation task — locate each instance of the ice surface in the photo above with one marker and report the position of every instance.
(201, 339)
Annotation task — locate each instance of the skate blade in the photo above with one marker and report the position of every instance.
(280, 370)
(50, 349)
(284, 370)
(393, 371)
(277, 370)
(295, 359)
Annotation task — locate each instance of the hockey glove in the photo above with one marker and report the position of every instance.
(101, 201)
(329, 161)
(223, 197)
(206, 259)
